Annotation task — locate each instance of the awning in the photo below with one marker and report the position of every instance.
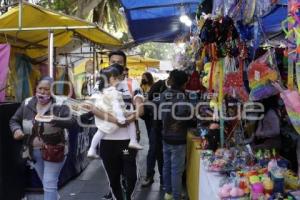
(132, 62)
(158, 20)
(36, 41)
(272, 22)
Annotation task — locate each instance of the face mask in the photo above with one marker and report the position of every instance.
(168, 86)
(144, 82)
(42, 98)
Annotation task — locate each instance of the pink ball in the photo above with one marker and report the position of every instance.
(225, 193)
(241, 192)
(227, 187)
(234, 192)
(258, 188)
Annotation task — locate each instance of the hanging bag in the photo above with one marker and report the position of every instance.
(260, 76)
(51, 151)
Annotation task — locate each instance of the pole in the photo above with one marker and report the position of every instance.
(20, 14)
(220, 101)
(94, 63)
(291, 62)
(45, 28)
(51, 53)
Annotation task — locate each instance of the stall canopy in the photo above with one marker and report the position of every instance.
(132, 62)
(158, 20)
(26, 35)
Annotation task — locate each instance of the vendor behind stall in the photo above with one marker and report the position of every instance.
(267, 132)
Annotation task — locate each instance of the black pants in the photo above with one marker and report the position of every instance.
(119, 159)
(155, 150)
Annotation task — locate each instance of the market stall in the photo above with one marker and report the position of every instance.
(132, 62)
(30, 34)
(236, 54)
(193, 166)
(239, 53)
(137, 65)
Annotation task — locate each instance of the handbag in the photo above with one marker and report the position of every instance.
(50, 151)
(53, 153)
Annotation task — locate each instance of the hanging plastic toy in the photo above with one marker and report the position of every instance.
(260, 76)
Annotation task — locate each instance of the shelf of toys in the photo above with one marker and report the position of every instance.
(233, 62)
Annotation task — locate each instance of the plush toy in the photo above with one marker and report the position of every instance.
(211, 81)
(205, 79)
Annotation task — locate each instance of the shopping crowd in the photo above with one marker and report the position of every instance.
(116, 101)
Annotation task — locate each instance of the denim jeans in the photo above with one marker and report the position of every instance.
(48, 173)
(155, 150)
(174, 165)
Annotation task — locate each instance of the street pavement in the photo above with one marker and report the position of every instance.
(92, 183)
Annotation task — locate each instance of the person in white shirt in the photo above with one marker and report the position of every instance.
(119, 160)
(109, 100)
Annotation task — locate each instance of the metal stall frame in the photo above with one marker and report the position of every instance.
(51, 35)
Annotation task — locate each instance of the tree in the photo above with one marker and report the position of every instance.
(160, 51)
(109, 16)
(65, 6)
(105, 12)
(84, 7)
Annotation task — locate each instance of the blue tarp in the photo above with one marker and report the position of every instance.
(272, 22)
(158, 20)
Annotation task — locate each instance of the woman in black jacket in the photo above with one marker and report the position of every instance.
(40, 123)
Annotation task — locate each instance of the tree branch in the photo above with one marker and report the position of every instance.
(84, 7)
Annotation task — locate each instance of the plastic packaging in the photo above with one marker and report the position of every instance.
(229, 6)
(218, 7)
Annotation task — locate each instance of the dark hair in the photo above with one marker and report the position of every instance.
(46, 78)
(119, 67)
(118, 53)
(178, 79)
(149, 78)
(106, 74)
(270, 103)
(126, 69)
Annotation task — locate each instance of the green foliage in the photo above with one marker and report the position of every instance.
(106, 13)
(66, 6)
(160, 51)
(108, 16)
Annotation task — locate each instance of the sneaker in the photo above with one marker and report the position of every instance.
(135, 145)
(108, 196)
(182, 196)
(147, 182)
(92, 155)
(168, 196)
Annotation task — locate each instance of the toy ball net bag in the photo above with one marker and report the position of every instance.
(260, 76)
